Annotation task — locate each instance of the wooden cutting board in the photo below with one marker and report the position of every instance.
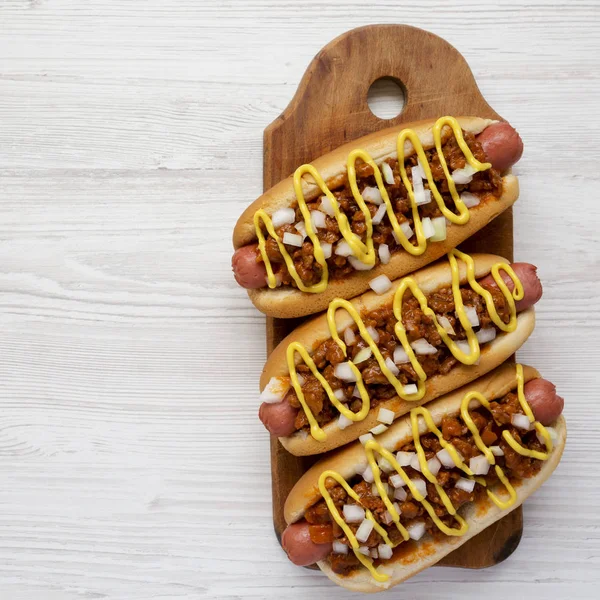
(330, 108)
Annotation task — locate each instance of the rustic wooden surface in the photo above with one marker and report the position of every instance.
(132, 464)
(331, 108)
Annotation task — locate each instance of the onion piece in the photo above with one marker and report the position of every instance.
(353, 513)
(410, 389)
(340, 548)
(339, 394)
(428, 230)
(358, 265)
(553, 435)
(367, 475)
(356, 392)
(292, 239)
(439, 225)
(423, 196)
(444, 457)
(486, 335)
(418, 174)
(396, 507)
(464, 175)
(396, 480)
(388, 173)
(421, 486)
(364, 550)
(380, 284)
(387, 517)
(343, 421)
(497, 451)
(344, 372)
(422, 346)
(479, 465)
(283, 216)
(364, 530)
(373, 333)
(389, 363)
(301, 229)
(275, 390)
(416, 531)
(400, 356)
(365, 438)
(471, 313)
(362, 355)
(378, 216)
(373, 553)
(301, 380)
(385, 415)
(470, 200)
(400, 494)
(521, 421)
(385, 465)
(317, 219)
(406, 230)
(385, 552)
(349, 336)
(384, 254)
(326, 206)
(434, 465)
(375, 490)
(467, 485)
(372, 195)
(327, 249)
(415, 463)
(404, 458)
(378, 429)
(445, 323)
(342, 248)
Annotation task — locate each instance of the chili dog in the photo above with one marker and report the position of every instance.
(428, 334)
(386, 204)
(373, 515)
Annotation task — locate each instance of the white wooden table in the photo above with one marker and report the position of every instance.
(132, 462)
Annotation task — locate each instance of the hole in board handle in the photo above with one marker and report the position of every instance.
(386, 97)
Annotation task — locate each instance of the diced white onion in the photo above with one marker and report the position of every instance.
(353, 513)
(380, 284)
(471, 313)
(422, 346)
(326, 206)
(317, 219)
(372, 195)
(358, 265)
(344, 372)
(521, 421)
(349, 336)
(385, 415)
(388, 173)
(283, 216)
(396, 480)
(385, 551)
(343, 421)
(356, 392)
(421, 486)
(428, 230)
(364, 550)
(275, 390)
(417, 174)
(301, 379)
(439, 225)
(301, 229)
(384, 254)
(434, 465)
(422, 196)
(367, 475)
(373, 333)
(374, 553)
(445, 323)
(486, 335)
(415, 463)
(497, 451)
(469, 199)
(389, 363)
(404, 458)
(365, 438)
(327, 249)
(401, 494)
(400, 356)
(385, 465)
(553, 435)
(467, 485)
(375, 490)
(416, 531)
(292, 239)
(378, 216)
(339, 394)
(396, 507)
(362, 355)
(463, 345)
(479, 465)
(444, 457)
(364, 530)
(342, 248)
(406, 230)
(464, 175)
(340, 548)
(387, 517)
(411, 388)
(378, 429)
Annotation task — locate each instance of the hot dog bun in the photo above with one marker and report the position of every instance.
(479, 515)
(288, 302)
(428, 279)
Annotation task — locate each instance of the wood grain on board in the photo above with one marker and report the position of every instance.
(330, 108)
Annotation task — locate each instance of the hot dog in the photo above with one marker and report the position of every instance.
(364, 210)
(284, 412)
(475, 451)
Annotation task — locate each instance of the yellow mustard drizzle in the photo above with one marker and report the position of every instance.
(408, 283)
(372, 447)
(365, 251)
